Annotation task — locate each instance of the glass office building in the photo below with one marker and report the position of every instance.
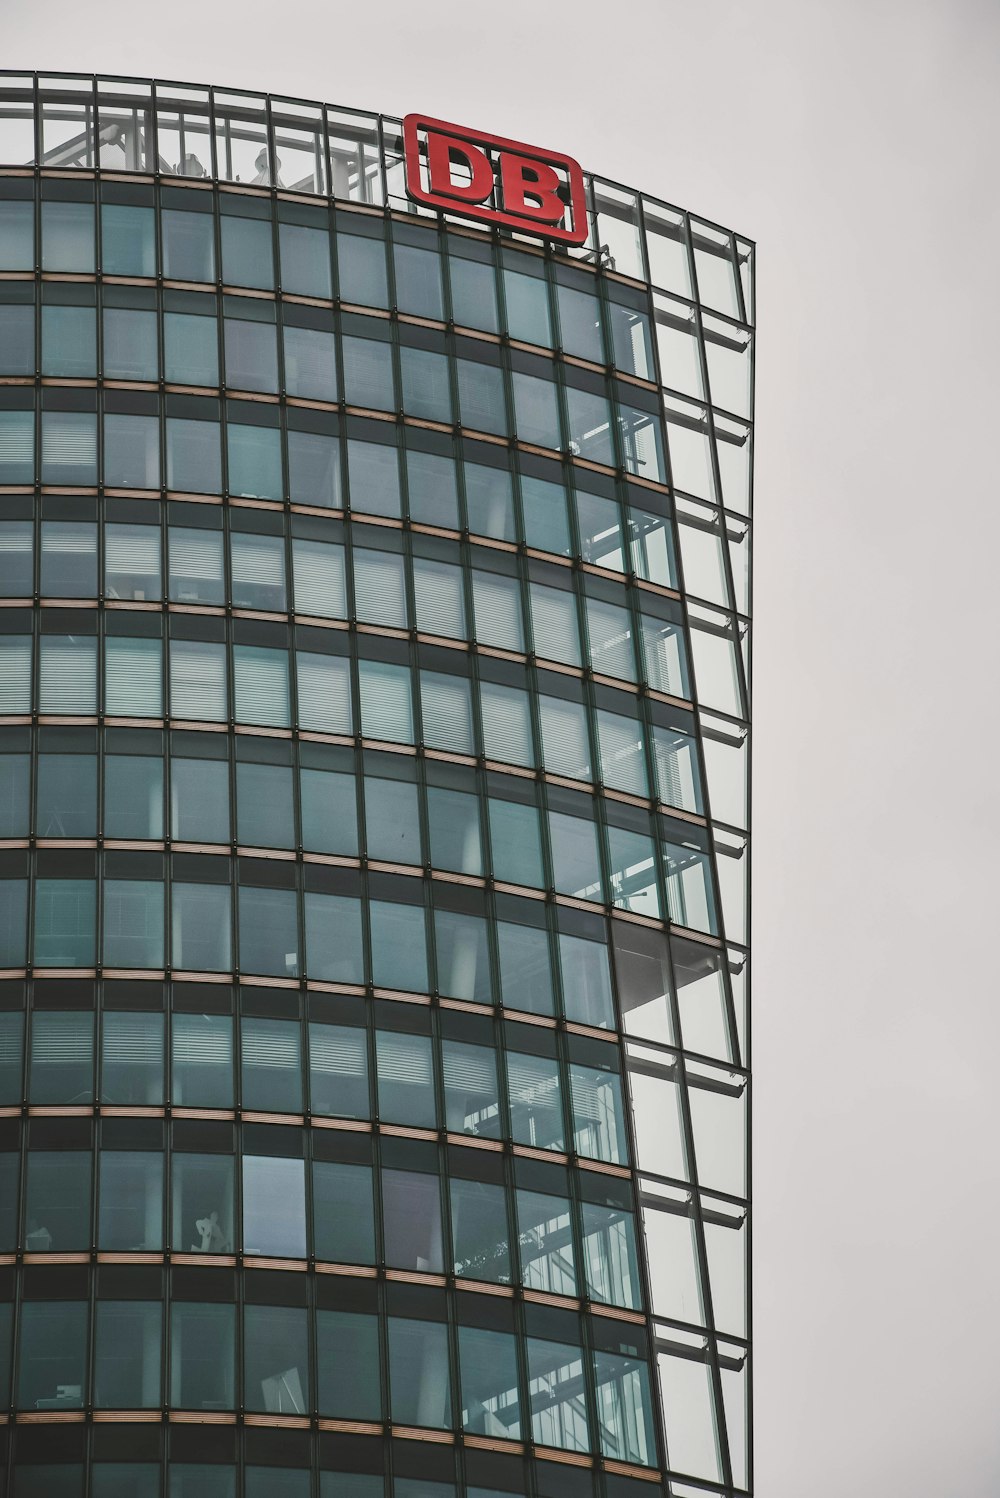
(373, 821)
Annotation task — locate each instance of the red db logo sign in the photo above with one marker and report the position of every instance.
(494, 180)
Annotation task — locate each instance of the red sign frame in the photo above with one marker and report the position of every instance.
(527, 171)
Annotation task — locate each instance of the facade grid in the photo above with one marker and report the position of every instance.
(374, 818)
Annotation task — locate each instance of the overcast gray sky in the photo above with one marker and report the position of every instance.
(856, 141)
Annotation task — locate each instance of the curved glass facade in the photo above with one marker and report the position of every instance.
(373, 822)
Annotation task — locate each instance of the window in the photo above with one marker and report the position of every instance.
(343, 1213)
(535, 1100)
(52, 1356)
(57, 1201)
(202, 1060)
(481, 1238)
(419, 1374)
(411, 1220)
(334, 942)
(555, 1384)
(260, 685)
(270, 1051)
(319, 573)
(274, 1206)
(405, 1079)
(67, 674)
(338, 1071)
(347, 1356)
(201, 938)
(269, 941)
(65, 916)
(202, 1203)
(490, 1400)
(132, 450)
(132, 561)
(130, 1216)
(133, 923)
(276, 1359)
(127, 1336)
(198, 680)
(132, 1070)
(202, 1356)
(133, 680)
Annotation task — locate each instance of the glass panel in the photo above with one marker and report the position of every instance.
(127, 1337)
(479, 1229)
(343, 1213)
(269, 936)
(556, 1391)
(276, 1359)
(624, 1408)
(338, 1071)
(274, 1206)
(132, 1069)
(411, 1220)
(133, 923)
(490, 1400)
(271, 1065)
(347, 1356)
(57, 1201)
(405, 1079)
(202, 1056)
(535, 1100)
(419, 1377)
(130, 1218)
(51, 1373)
(202, 1356)
(65, 920)
(610, 1258)
(202, 1196)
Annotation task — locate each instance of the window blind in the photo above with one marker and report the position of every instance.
(67, 674)
(565, 745)
(133, 678)
(622, 763)
(447, 712)
(469, 1068)
(15, 674)
(533, 1081)
(497, 602)
(324, 693)
(437, 589)
(337, 1051)
(132, 1040)
(379, 587)
(17, 444)
(554, 624)
(260, 685)
(11, 1043)
(198, 680)
(66, 539)
(69, 440)
(270, 1043)
(506, 724)
(663, 653)
(62, 1038)
(15, 538)
(674, 769)
(131, 552)
(320, 579)
(195, 557)
(610, 633)
(386, 702)
(258, 560)
(404, 1059)
(201, 1041)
